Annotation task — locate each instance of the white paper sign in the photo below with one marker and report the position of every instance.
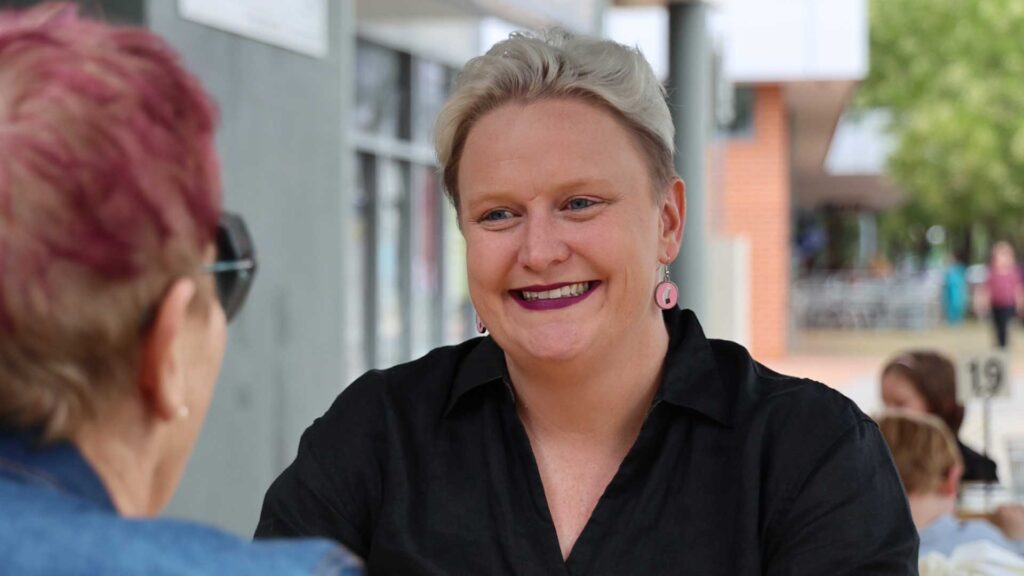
(299, 25)
(984, 376)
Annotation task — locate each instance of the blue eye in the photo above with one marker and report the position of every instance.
(579, 203)
(496, 215)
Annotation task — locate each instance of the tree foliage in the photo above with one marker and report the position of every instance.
(952, 73)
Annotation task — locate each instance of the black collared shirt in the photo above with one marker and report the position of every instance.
(425, 468)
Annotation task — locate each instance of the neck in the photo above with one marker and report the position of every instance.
(119, 450)
(927, 508)
(605, 395)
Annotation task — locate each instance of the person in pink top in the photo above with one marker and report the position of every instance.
(1005, 289)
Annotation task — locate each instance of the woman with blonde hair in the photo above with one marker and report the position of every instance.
(595, 429)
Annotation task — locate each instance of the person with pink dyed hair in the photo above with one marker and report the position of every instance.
(118, 272)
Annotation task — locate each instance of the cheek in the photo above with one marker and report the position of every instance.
(211, 345)
(219, 335)
(217, 338)
(631, 254)
(490, 258)
(915, 404)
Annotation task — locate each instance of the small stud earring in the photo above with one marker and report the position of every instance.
(182, 412)
(666, 293)
(480, 328)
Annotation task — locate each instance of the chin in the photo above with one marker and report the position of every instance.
(558, 345)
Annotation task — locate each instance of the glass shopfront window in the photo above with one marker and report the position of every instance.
(409, 260)
(393, 278)
(431, 86)
(382, 91)
(428, 264)
(360, 266)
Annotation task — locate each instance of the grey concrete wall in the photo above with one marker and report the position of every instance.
(286, 168)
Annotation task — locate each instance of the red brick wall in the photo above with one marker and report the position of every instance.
(756, 194)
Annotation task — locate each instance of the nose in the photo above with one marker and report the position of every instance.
(542, 245)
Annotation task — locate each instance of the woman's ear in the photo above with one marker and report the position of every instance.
(673, 220)
(161, 385)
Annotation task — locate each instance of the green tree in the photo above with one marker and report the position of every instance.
(952, 73)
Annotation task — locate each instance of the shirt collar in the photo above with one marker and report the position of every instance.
(58, 466)
(484, 364)
(690, 377)
(943, 527)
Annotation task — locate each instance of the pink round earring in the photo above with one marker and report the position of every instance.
(480, 328)
(666, 293)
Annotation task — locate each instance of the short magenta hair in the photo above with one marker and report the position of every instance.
(109, 189)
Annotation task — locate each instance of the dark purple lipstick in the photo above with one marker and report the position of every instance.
(532, 303)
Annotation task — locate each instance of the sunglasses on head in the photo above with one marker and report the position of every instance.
(235, 267)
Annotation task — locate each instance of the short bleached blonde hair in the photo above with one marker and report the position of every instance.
(556, 64)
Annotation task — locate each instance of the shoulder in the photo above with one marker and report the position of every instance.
(210, 551)
(346, 457)
(946, 533)
(81, 538)
(768, 399)
(797, 429)
(414, 392)
(971, 530)
(381, 412)
(977, 466)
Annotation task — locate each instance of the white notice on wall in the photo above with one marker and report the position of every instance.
(299, 25)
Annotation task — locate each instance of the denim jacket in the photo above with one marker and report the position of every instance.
(56, 518)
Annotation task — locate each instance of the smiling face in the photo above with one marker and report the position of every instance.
(563, 232)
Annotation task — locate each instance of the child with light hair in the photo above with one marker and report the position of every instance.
(930, 465)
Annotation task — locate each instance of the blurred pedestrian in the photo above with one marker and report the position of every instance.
(954, 289)
(1004, 290)
(925, 381)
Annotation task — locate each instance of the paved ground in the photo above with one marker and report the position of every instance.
(850, 361)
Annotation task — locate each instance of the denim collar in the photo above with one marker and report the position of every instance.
(58, 466)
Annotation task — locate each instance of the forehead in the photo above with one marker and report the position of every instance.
(896, 382)
(542, 144)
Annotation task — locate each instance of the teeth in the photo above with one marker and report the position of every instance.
(563, 292)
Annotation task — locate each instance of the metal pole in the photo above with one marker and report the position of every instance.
(987, 425)
(689, 96)
(987, 443)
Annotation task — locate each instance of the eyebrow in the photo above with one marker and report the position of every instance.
(561, 188)
(583, 183)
